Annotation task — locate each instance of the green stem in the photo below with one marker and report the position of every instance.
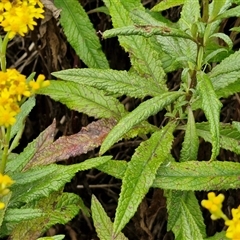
(205, 10)
(5, 151)
(3, 52)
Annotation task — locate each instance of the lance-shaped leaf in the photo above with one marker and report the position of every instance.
(184, 215)
(229, 136)
(197, 176)
(211, 107)
(145, 59)
(112, 81)
(166, 5)
(84, 99)
(218, 7)
(226, 72)
(140, 174)
(142, 112)
(102, 222)
(233, 12)
(146, 31)
(30, 186)
(64, 147)
(43, 140)
(58, 208)
(190, 144)
(81, 34)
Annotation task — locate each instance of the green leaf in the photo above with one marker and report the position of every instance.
(226, 72)
(59, 208)
(229, 136)
(218, 7)
(198, 176)
(44, 139)
(102, 222)
(140, 174)
(112, 81)
(84, 99)
(30, 186)
(20, 119)
(233, 12)
(56, 237)
(146, 31)
(5, 199)
(211, 107)
(142, 112)
(145, 59)
(190, 144)
(190, 14)
(115, 168)
(166, 5)
(225, 38)
(81, 34)
(184, 215)
(218, 236)
(18, 215)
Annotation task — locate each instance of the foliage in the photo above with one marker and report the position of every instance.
(210, 70)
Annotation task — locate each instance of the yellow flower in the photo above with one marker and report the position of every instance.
(233, 231)
(214, 205)
(13, 89)
(39, 83)
(5, 183)
(19, 16)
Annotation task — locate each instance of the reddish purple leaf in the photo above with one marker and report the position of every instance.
(87, 139)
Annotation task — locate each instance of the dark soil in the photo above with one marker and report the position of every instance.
(51, 52)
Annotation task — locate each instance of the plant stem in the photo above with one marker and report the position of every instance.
(3, 52)
(5, 151)
(205, 10)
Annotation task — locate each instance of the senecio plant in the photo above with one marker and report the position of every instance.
(209, 70)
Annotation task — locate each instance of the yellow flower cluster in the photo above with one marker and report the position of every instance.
(5, 182)
(214, 205)
(18, 16)
(13, 88)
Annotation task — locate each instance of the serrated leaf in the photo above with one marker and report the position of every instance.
(58, 208)
(211, 107)
(218, 7)
(190, 14)
(43, 140)
(115, 168)
(84, 99)
(81, 34)
(5, 199)
(145, 59)
(226, 72)
(20, 119)
(65, 147)
(225, 38)
(166, 5)
(30, 186)
(197, 176)
(142, 112)
(102, 222)
(190, 144)
(218, 236)
(112, 81)
(184, 215)
(229, 136)
(146, 31)
(233, 12)
(18, 215)
(140, 174)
